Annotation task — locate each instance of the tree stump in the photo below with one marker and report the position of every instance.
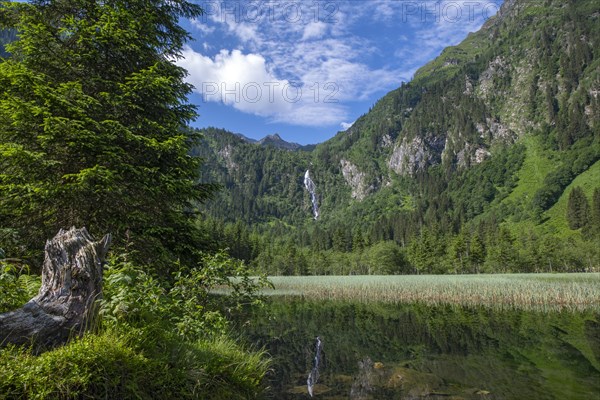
(66, 302)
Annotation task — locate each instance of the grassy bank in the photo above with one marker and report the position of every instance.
(544, 292)
(153, 340)
(133, 365)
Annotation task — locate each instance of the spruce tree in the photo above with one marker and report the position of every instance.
(578, 209)
(92, 117)
(594, 225)
(476, 252)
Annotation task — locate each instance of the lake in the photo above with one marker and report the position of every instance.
(384, 350)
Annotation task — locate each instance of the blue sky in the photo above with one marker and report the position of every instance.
(309, 69)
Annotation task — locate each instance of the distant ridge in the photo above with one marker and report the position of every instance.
(276, 141)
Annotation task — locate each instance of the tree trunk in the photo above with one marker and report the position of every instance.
(66, 303)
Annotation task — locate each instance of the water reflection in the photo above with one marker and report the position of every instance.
(384, 351)
(313, 377)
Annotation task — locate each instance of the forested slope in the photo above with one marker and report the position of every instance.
(482, 148)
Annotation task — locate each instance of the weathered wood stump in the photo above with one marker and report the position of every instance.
(65, 306)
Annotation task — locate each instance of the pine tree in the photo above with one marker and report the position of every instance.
(503, 255)
(594, 225)
(459, 251)
(476, 252)
(92, 119)
(578, 209)
(358, 242)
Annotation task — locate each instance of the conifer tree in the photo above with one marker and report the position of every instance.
(594, 225)
(476, 252)
(578, 209)
(92, 117)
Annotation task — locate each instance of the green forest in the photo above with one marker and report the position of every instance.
(488, 161)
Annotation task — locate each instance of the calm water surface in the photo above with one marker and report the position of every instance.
(384, 351)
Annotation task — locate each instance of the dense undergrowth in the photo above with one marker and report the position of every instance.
(154, 340)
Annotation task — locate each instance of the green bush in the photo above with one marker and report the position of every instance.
(186, 307)
(16, 286)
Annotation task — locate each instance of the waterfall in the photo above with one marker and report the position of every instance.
(312, 189)
(313, 377)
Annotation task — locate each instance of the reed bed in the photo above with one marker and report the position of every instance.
(540, 292)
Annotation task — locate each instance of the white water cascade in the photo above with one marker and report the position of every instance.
(312, 189)
(313, 377)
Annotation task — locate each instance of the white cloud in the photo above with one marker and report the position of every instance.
(384, 9)
(314, 30)
(202, 27)
(309, 113)
(236, 79)
(246, 32)
(439, 25)
(350, 78)
(330, 60)
(346, 125)
(286, 61)
(245, 82)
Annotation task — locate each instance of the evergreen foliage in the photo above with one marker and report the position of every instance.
(92, 118)
(578, 209)
(93, 132)
(595, 213)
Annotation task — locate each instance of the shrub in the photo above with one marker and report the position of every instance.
(16, 286)
(188, 307)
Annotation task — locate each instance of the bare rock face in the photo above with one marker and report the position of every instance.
(408, 157)
(356, 179)
(493, 131)
(468, 86)
(227, 154)
(498, 67)
(412, 156)
(65, 305)
(471, 155)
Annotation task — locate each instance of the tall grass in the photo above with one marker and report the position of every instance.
(543, 292)
(117, 365)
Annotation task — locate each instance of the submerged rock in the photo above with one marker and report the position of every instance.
(414, 383)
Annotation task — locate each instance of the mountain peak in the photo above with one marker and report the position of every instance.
(275, 140)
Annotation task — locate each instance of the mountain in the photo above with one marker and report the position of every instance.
(490, 136)
(245, 138)
(277, 142)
